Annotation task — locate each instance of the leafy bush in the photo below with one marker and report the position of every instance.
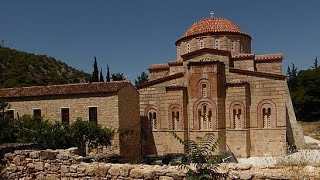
(87, 133)
(48, 135)
(200, 161)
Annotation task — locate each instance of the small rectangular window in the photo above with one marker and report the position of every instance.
(65, 115)
(37, 113)
(10, 114)
(93, 114)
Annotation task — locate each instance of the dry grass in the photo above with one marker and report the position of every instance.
(310, 128)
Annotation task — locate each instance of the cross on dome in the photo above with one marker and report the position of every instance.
(211, 14)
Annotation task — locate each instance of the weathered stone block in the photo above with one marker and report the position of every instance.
(39, 166)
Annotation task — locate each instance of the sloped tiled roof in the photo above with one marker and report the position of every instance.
(242, 55)
(67, 89)
(278, 56)
(160, 80)
(263, 57)
(175, 63)
(159, 67)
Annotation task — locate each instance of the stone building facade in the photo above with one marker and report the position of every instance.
(216, 85)
(114, 105)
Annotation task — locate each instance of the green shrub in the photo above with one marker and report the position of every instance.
(48, 135)
(200, 155)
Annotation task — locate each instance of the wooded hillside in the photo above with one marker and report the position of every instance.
(19, 69)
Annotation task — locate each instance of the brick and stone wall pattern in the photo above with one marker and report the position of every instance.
(129, 123)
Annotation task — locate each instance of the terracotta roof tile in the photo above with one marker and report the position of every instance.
(66, 89)
(212, 25)
(159, 67)
(242, 56)
(278, 56)
(175, 63)
(160, 80)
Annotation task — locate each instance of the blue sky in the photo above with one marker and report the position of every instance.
(131, 35)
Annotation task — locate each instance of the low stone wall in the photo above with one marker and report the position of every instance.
(65, 164)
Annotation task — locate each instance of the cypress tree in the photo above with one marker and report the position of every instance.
(95, 73)
(108, 74)
(101, 76)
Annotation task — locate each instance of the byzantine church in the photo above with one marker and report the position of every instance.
(217, 85)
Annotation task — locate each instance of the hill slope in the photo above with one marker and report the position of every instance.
(25, 69)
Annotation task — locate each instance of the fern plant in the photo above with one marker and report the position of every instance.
(200, 161)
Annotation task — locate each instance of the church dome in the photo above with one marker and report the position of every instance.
(210, 26)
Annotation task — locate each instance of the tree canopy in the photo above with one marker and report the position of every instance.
(118, 77)
(95, 73)
(304, 89)
(142, 78)
(18, 69)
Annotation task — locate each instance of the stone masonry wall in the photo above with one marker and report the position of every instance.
(78, 107)
(66, 165)
(129, 123)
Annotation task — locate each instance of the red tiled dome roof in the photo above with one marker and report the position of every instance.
(212, 25)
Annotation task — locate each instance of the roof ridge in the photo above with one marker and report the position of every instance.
(61, 85)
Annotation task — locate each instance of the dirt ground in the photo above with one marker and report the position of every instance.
(311, 129)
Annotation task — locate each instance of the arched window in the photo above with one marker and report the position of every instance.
(216, 44)
(237, 115)
(233, 45)
(241, 46)
(153, 118)
(266, 114)
(176, 122)
(201, 44)
(188, 47)
(205, 117)
(204, 90)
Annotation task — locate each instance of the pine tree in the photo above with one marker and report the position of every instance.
(101, 76)
(108, 74)
(142, 78)
(316, 63)
(289, 72)
(118, 77)
(95, 73)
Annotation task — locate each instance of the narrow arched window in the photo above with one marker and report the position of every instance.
(152, 116)
(239, 119)
(216, 44)
(200, 119)
(237, 116)
(188, 47)
(154, 120)
(201, 44)
(210, 119)
(204, 90)
(266, 115)
(173, 119)
(233, 45)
